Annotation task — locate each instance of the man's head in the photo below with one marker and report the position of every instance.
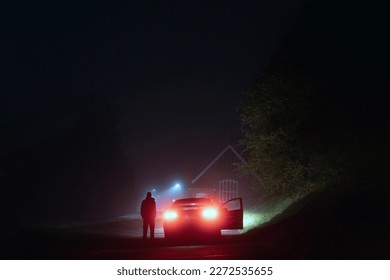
(148, 195)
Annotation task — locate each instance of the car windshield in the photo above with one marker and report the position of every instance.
(192, 202)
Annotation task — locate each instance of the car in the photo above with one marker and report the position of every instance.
(201, 217)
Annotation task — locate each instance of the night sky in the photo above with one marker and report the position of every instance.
(101, 102)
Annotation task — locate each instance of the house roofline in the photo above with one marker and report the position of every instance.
(218, 157)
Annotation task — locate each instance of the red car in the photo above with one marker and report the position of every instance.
(199, 217)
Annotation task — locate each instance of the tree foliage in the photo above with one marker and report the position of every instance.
(313, 120)
(282, 137)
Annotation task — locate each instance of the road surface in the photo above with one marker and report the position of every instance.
(318, 229)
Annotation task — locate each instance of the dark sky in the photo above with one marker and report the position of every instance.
(106, 100)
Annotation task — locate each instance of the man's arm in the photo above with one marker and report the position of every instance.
(143, 209)
(154, 209)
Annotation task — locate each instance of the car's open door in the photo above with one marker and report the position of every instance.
(232, 214)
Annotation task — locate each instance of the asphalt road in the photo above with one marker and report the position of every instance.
(121, 239)
(349, 227)
(295, 238)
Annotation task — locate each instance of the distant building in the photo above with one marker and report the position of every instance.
(221, 181)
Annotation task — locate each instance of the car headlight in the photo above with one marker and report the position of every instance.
(210, 213)
(170, 215)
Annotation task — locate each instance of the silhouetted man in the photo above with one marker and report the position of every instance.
(148, 213)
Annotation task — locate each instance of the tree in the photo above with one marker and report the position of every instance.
(281, 135)
(313, 120)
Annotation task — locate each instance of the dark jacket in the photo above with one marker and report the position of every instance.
(148, 208)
